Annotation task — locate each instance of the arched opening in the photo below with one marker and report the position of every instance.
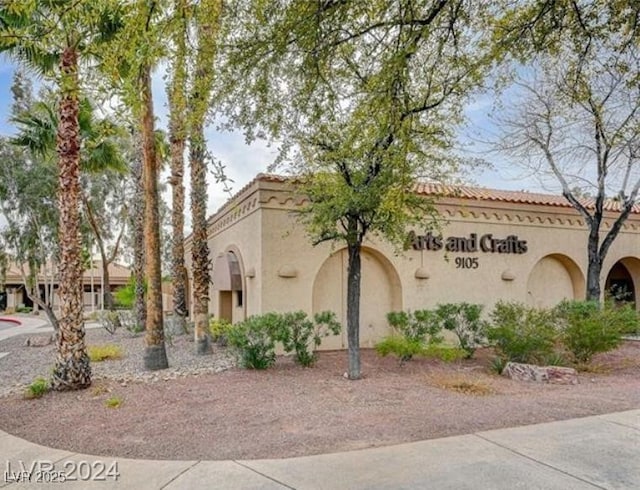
(380, 293)
(554, 277)
(620, 285)
(228, 281)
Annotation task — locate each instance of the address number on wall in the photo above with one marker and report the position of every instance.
(467, 263)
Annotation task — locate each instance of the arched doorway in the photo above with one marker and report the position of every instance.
(620, 285)
(380, 293)
(228, 282)
(554, 277)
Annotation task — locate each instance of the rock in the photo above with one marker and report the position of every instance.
(540, 374)
(173, 326)
(562, 375)
(38, 341)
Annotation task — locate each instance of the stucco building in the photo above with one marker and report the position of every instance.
(494, 245)
(47, 279)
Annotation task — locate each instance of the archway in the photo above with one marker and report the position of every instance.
(228, 281)
(381, 292)
(620, 284)
(554, 277)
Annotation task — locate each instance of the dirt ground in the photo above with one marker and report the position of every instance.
(292, 411)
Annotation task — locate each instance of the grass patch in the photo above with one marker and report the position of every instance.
(113, 402)
(106, 352)
(461, 384)
(37, 389)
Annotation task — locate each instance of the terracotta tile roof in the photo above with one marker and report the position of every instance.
(451, 191)
(517, 197)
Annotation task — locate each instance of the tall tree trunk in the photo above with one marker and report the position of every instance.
(107, 297)
(207, 24)
(177, 136)
(594, 266)
(72, 369)
(106, 281)
(155, 355)
(137, 217)
(353, 309)
(30, 283)
(200, 247)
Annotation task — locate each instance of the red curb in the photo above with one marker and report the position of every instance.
(10, 320)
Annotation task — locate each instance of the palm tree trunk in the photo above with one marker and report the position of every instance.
(155, 355)
(177, 111)
(207, 25)
(137, 217)
(200, 247)
(72, 370)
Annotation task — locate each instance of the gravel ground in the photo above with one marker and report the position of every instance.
(292, 411)
(24, 364)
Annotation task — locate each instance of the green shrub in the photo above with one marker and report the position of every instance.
(498, 364)
(414, 332)
(218, 329)
(418, 328)
(125, 296)
(588, 328)
(99, 353)
(445, 353)
(401, 347)
(23, 309)
(303, 336)
(254, 340)
(114, 402)
(463, 319)
(421, 325)
(37, 389)
(406, 349)
(521, 333)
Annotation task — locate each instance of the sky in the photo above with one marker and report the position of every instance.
(244, 161)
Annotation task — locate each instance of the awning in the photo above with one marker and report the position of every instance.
(226, 273)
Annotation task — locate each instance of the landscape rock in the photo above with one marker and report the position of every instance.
(541, 374)
(39, 341)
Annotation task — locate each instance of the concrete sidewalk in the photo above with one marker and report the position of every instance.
(28, 324)
(600, 452)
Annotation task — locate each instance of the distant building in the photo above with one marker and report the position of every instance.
(47, 280)
(495, 245)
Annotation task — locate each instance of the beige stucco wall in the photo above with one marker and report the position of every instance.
(291, 274)
(237, 229)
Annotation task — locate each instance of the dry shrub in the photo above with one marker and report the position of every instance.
(460, 383)
(99, 389)
(593, 368)
(99, 353)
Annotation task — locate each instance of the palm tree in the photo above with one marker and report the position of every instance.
(137, 225)
(52, 37)
(137, 49)
(155, 356)
(177, 137)
(100, 158)
(207, 18)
